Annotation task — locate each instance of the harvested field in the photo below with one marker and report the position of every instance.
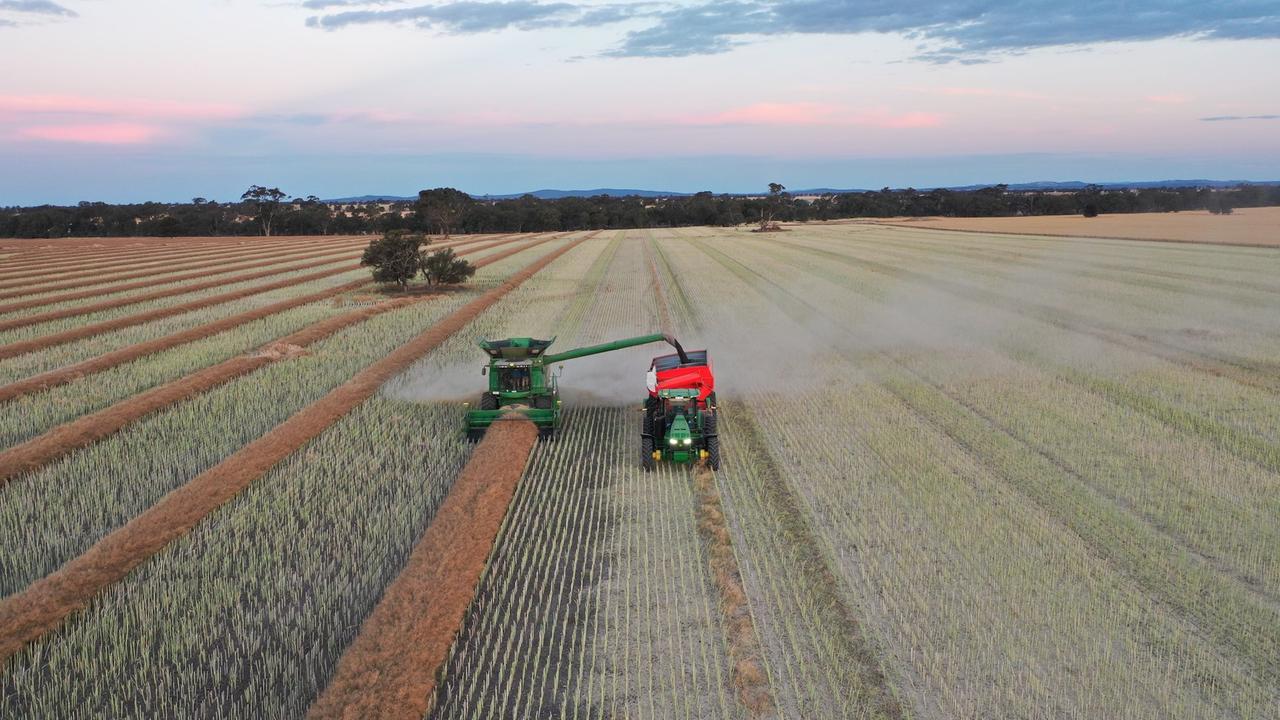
(43, 605)
(35, 268)
(965, 474)
(68, 373)
(168, 273)
(41, 342)
(1246, 226)
(390, 669)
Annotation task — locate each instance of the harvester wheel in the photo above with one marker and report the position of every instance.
(488, 401)
(646, 453)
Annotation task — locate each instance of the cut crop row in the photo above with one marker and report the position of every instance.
(91, 393)
(341, 540)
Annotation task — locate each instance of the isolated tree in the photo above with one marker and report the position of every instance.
(1090, 210)
(442, 267)
(443, 207)
(395, 257)
(267, 203)
(773, 203)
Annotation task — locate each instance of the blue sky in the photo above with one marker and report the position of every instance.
(150, 99)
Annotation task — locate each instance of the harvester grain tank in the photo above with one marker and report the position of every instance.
(680, 416)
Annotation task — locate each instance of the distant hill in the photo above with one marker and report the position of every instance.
(612, 192)
(1047, 185)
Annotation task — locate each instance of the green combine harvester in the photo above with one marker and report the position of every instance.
(679, 422)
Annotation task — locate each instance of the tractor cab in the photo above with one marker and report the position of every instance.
(680, 412)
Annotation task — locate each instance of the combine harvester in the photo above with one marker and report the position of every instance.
(679, 414)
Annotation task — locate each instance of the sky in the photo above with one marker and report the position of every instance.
(131, 100)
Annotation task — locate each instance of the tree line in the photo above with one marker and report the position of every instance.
(269, 211)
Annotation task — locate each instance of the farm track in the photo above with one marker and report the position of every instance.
(161, 275)
(37, 270)
(390, 669)
(59, 441)
(62, 376)
(28, 615)
(1245, 624)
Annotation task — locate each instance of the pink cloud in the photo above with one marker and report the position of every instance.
(104, 134)
(129, 108)
(802, 114)
(990, 92)
(1170, 99)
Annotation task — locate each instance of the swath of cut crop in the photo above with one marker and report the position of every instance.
(39, 270)
(158, 294)
(156, 275)
(66, 336)
(62, 376)
(28, 615)
(63, 439)
(109, 263)
(749, 676)
(329, 256)
(390, 669)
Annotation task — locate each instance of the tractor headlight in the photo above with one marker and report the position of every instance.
(688, 441)
(674, 441)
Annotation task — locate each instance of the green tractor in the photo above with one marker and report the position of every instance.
(521, 381)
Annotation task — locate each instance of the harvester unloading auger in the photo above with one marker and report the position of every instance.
(679, 413)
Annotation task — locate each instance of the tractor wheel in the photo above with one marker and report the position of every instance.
(488, 401)
(646, 453)
(713, 452)
(712, 440)
(646, 427)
